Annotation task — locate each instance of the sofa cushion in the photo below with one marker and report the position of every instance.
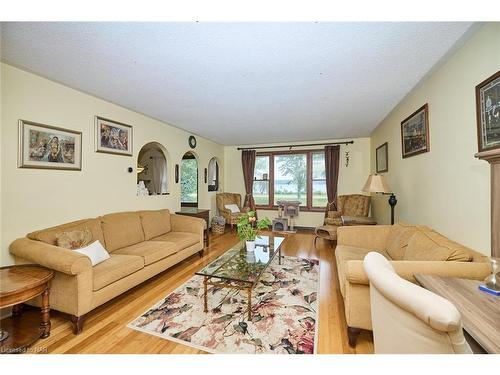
(430, 245)
(121, 230)
(150, 251)
(115, 268)
(343, 254)
(399, 237)
(49, 235)
(155, 223)
(180, 239)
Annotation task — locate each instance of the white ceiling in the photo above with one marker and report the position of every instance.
(240, 83)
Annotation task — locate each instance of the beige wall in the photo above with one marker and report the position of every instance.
(36, 198)
(351, 178)
(446, 188)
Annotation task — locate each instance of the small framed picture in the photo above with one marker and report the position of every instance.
(415, 132)
(381, 156)
(112, 137)
(488, 113)
(49, 147)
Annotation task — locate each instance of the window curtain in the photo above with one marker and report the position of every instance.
(248, 164)
(332, 156)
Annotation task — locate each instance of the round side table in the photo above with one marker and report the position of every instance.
(19, 284)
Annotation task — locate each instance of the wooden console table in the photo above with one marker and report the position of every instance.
(480, 311)
(200, 213)
(19, 284)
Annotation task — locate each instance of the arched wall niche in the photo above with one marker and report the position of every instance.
(152, 169)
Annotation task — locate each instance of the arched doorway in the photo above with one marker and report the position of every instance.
(189, 180)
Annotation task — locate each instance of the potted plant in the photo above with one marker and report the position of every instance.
(249, 227)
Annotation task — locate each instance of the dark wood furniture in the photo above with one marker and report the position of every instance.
(19, 284)
(357, 220)
(197, 212)
(480, 311)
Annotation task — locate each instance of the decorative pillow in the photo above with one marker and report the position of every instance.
(74, 239)
(95, 251)
(233, 208)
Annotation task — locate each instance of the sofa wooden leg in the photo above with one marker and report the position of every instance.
(77, 323)
(352, 335)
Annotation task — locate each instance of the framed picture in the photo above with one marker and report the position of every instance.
(488, 113)
(381, 156)
(48, 147)
(112, 137)
(415, 132)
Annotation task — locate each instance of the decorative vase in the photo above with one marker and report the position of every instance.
(250, 245)
(493, 280)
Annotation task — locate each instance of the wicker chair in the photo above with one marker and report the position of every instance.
(230, 198)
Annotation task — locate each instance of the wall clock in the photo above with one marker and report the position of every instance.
(192, 141)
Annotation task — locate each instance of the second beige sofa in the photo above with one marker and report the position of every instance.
(412, 249)
(141, 244)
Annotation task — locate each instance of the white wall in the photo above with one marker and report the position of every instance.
(446, 188)
(35, 198)
(351, 178)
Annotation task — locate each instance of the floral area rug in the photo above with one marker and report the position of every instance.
(284, 313)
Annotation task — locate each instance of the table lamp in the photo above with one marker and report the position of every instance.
(377, 184)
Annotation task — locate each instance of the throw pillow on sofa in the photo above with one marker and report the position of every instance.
(95, 251)
(74, 239)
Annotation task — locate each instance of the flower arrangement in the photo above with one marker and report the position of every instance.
(249, 227)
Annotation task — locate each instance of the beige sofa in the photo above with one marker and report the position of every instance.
(141, 244)
(411, 249)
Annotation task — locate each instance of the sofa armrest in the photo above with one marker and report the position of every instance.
(355, 272)
(53, 257)
(364, 236)
(182, 223)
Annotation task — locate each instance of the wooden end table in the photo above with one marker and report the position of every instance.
(200, 213)
(480, 311)
(19, 284)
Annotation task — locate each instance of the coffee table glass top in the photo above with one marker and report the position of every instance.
(237, 264)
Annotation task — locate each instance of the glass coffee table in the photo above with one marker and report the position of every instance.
(240, 269)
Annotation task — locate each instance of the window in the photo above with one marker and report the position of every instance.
(290, 178)
(261, 180)
(297, 175)
(189, 180)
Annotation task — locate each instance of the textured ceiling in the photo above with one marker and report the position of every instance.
(240, 83)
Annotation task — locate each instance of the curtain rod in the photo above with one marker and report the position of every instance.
(290, 146)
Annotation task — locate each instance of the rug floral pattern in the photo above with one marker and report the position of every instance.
(284, 313)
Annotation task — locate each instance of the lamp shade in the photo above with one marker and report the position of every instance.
(376, 184)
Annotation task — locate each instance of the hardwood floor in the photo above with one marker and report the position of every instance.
(105, 328)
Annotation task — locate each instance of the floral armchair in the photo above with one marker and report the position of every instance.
(349, 205)
(224, 199)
